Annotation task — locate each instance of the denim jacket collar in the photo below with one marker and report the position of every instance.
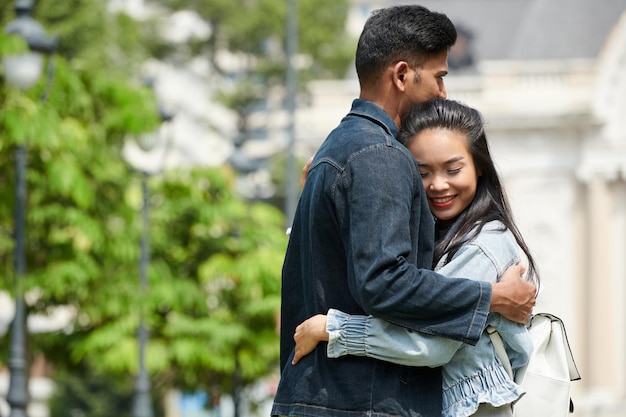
(376, 114)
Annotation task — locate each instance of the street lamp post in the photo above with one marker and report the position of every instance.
(142, 403)
(22, 71)
(292, 91)
(243, 166)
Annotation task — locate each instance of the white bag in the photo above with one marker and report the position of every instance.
(548, 376)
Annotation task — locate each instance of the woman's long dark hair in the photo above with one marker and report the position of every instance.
(490, 202)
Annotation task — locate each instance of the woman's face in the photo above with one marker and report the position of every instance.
(447, 170)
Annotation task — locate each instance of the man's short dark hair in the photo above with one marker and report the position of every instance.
(401, 33)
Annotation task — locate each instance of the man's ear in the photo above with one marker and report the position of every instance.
(400, 74)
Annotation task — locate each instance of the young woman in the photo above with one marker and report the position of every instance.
(477, 238)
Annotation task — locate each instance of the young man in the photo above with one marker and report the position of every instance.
(362, 237)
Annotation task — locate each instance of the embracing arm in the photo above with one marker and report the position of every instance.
(512, 296)
(372, 337)
(390, 232)
(376, 338)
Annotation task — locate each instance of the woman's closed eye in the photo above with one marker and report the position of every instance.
(455, 171)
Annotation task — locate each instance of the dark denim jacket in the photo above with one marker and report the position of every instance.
(362, 242)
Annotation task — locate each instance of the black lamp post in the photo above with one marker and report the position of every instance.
(243, 166)
(142, 402)
(292, 90)
(22, 71)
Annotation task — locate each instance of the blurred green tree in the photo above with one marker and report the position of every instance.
(215, 272)
(256, 30)
(246, 47)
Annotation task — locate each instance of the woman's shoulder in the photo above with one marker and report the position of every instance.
(497, 241)
(495, 230)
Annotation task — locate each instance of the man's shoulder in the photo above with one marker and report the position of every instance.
(357, 135)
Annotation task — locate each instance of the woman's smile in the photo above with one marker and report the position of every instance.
(442, 202)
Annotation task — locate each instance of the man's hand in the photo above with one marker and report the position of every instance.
(308, 334)
(513, 297)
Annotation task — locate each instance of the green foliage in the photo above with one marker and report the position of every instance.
(214, 272)
(255, 27)
(83, 234)
(93, 39)
(237, 252)
(214, 286)
(11, 44)
(86, 393)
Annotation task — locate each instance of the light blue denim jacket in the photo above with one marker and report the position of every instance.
(471, 374)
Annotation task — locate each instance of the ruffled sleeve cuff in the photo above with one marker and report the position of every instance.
(346, 334)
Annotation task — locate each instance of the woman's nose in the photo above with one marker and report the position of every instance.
(438, 183)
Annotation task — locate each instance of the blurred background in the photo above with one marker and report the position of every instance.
(149, 158)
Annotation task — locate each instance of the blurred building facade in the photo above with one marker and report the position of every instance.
(549, 77)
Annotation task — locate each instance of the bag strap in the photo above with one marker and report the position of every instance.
(498, 346)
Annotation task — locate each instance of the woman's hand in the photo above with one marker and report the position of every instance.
(308, 334)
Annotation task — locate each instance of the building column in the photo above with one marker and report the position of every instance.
(603, 293)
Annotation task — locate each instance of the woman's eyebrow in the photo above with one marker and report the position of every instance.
(455, 159)
(448, 162)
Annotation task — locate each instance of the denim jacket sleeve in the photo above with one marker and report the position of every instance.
(385, 281)
(517, 341)
(373, 337)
